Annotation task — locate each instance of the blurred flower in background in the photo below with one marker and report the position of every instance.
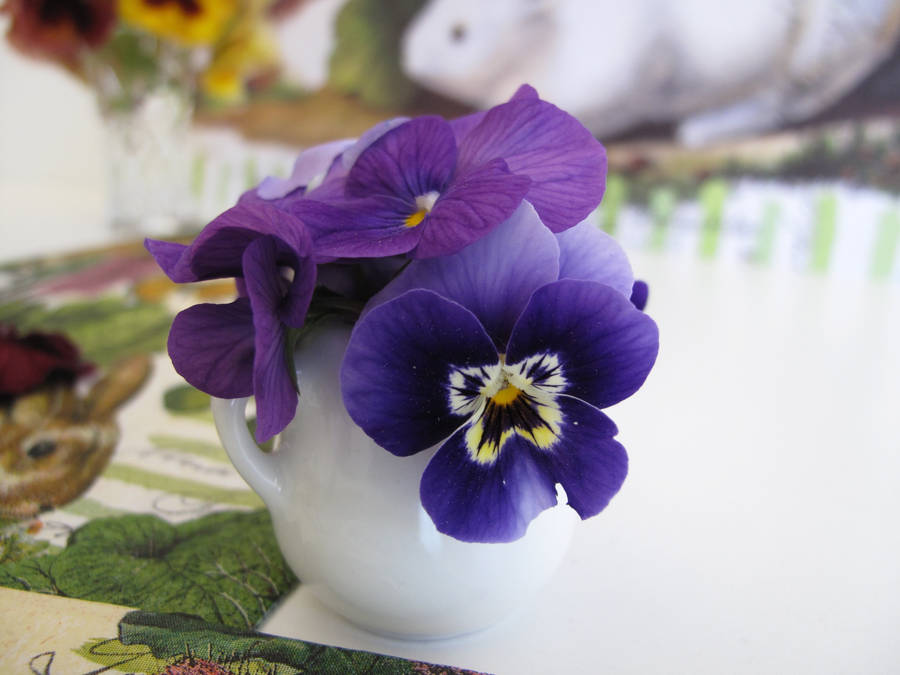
(128, 49)
(187, 22)
(59, 29)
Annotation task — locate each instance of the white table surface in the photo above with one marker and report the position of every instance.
(758, 529)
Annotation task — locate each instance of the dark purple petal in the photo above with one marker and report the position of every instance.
(493, 278)
(359, 279)
(604, 345)
(566, 164)
(481, 502)
(364, 228)
(586, 461)
(396, 371)
(211, 347)
(586, 252)
(351, 154)
(412, 160)
(475, 203)
(273, 387)
(168, 255)
(310, 164)
(217, 250)
(640, 293)
(463, 125)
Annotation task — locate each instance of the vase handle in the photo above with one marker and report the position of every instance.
(258, 468)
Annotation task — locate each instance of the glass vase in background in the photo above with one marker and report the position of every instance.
(149, 154)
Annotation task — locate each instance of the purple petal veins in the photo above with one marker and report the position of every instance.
(494, 277)
(566, 164)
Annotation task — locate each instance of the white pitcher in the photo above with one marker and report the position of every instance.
(349, 521)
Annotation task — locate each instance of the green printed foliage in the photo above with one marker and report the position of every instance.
(224, 567)
(106, 330)
(366, 57)
(183, 399)
(173, 637)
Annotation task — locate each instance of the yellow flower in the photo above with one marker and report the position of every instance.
(187, 22)
(247, 50)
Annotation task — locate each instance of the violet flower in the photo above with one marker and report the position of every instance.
(432, 187)
(240, 349)
(505, 353)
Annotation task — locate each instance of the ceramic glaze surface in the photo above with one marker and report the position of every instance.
(349, 521)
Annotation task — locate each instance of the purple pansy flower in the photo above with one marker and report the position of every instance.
(238, 349)
(432, 187)
(505, 353)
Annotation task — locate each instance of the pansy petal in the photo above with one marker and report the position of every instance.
(605, 346)
(640, 293)
(586, 252)
(217, 250)
(494, 277)
(364, 228)
(566, 164)
(485, 502)
(463, 125)
(276, 397)
(168, 255)
(475, 203)
(309, 165)
(211, 346)
(372, 134)
(412, 160)
(586, 461)
(396, 373)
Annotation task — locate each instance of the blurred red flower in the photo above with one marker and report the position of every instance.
(59, 29)
(28, 361)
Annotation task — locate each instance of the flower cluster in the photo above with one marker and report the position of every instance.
(133, 46)
(491, 318)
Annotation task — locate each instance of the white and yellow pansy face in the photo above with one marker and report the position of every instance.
(505, 400)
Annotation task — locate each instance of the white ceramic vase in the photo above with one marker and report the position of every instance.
(349, 521)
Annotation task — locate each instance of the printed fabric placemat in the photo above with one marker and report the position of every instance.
(114, 487)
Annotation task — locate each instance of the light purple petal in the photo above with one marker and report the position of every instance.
(474, 203)
(566, 164)
(396, 372)
(310, 164)
(493, 278)
(604, 345)
(412, 160)
(586, 252)
(211, 346)
(485, 502)
(586, 461)
(273, 387)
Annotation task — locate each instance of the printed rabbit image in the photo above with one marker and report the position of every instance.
(720, 69)
(54, 443)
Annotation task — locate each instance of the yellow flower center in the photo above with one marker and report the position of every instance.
(424, 204)
(506, 396)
